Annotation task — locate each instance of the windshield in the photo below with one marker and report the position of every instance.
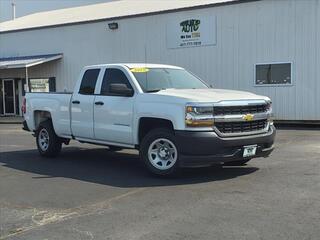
(156, 79)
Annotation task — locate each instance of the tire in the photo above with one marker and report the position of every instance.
(48, 143)
(114, 148)
(238, 163)
(159, 152)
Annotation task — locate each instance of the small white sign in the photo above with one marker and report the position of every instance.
(191, 32)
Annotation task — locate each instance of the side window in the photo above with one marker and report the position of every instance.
(89, 81)
(111, 76)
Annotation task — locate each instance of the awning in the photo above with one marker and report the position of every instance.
(27, 61)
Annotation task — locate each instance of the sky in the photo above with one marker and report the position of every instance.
(25, 7)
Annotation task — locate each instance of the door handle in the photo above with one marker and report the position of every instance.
(99, 103)
(75, 102)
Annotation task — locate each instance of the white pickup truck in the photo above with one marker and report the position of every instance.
(171, 116)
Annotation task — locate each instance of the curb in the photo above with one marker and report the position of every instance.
(11, 122)
(17, 120)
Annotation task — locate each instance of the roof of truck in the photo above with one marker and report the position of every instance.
(106, 11)
(137, 65)
(149, 65)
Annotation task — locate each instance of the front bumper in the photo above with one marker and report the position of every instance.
(207, 148)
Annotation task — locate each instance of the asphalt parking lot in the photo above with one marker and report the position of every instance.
(90, 193)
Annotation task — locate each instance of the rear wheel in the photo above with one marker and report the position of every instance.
(159, 152)
(48, 143)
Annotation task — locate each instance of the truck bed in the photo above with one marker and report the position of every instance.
(58, 104)
(50, 92)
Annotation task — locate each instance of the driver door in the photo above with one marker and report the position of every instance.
(113, 113)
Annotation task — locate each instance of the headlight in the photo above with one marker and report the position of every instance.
(269, 106)
(199, 116)
(269, 110)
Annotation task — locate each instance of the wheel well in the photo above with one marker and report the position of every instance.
(147, 124)
(41, 116)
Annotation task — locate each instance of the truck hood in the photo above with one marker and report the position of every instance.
(210, 95)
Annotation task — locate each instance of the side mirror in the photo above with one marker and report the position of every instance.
(121, 89)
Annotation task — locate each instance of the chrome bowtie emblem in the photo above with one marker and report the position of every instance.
(248, 117)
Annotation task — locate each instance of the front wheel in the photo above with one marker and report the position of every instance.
(48, 143)
(159, 152)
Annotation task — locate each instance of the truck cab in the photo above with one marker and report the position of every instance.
(170, 115)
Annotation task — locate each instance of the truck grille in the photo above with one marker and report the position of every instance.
(233, 110)
(241, 127)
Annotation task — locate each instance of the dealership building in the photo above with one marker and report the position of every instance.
(269, 47)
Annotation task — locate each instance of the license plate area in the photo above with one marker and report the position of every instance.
(249, 151)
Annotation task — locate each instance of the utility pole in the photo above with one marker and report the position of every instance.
(13, 4)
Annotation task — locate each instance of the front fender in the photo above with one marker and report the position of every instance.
(167, 111)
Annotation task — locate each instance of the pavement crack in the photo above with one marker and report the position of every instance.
(45, 217)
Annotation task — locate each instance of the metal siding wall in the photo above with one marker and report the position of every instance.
(307, 26)
(274, 43)
(317, 63)
(247, 33)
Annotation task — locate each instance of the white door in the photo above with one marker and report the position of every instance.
(82, 106)
(113, 112)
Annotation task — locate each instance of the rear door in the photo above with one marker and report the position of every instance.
(113, 114)
(82, 103)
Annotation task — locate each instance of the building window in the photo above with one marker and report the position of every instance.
(273, 74)
(39, 84)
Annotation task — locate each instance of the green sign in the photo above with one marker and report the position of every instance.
(191, 25)
(191, 31)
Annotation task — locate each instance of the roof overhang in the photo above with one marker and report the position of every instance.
(123, 9)
(27, 61)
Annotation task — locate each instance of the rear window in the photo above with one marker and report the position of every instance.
(89, 81)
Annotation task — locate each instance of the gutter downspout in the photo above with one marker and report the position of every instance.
(27, 81)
